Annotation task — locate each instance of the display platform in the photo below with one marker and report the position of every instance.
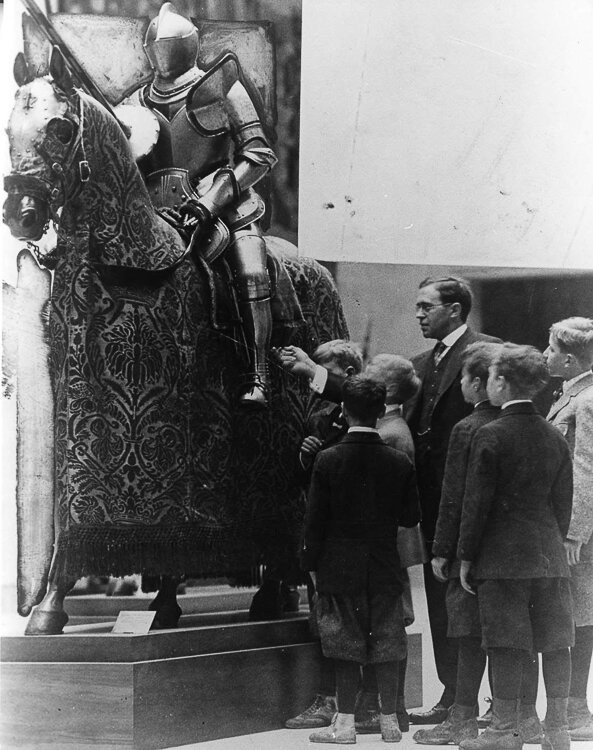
(217, 675)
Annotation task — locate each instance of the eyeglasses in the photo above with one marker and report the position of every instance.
(426, 307)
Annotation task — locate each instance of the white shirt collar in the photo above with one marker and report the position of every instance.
(394, 409)
(363, 429)
(517, 401)
(454, 336)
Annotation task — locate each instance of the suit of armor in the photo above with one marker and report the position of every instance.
(211, 150)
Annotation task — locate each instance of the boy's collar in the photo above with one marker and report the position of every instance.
(517, 401)
(356, 428)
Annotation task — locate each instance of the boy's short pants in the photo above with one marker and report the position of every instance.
(362, 628)
(534, 614)
(463, 613)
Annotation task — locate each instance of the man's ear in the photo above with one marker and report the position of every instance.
(455, 307)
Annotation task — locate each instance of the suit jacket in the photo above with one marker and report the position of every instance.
(361, 490)
(394, 431)
(324, 421)
(449, 408)
(572, 414)
(518, 498)
(456, 470)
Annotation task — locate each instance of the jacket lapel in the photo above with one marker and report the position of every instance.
(453, 363)
(564, 400)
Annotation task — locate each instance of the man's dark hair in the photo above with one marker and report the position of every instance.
(523, 367)
(363, 397)
(477, 358)
(452, 289)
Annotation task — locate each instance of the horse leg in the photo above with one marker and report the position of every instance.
(168, 611)
(49, 617)
(267, 600)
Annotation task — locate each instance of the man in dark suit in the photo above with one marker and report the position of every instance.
(442, 307)
(515, 518)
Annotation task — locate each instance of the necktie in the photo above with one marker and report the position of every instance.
(558, 392)
(438, 352)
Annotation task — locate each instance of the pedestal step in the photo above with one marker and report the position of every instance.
(89, 688)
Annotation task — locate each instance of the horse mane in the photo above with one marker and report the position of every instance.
(114, 205)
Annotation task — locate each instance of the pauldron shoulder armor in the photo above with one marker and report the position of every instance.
(219, 103)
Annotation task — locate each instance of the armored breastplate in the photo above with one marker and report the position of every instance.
(198, 153)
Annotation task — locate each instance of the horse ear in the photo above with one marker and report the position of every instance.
(59, 71)
(20, 70)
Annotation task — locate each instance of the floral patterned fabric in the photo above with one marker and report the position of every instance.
(157, 470)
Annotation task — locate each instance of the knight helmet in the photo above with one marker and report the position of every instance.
(171, 45)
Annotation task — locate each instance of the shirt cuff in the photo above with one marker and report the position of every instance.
(319, 380)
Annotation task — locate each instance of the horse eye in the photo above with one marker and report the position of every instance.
(62, 128)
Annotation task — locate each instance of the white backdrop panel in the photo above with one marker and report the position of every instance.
(448, 131)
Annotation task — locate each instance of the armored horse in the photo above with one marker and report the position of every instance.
(149, 465)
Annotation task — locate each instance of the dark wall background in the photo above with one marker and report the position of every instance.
(522, 310)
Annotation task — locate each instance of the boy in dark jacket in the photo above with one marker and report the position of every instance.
(361, 490)
(462, 608)
(325, 427)
(516, 514)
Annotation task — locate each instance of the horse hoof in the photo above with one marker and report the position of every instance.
(46, 622)
(167, 616)
(266, 604)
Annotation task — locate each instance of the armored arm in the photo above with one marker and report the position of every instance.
(253, 156)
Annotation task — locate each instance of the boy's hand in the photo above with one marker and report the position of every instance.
(465, 576)
(440, 568)
(311, 445)
(295, 360)
(573, 551)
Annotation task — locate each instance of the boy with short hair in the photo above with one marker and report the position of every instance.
(361, 490)
(570, 356)
(462, 608)
(516, 513)
(325, 427)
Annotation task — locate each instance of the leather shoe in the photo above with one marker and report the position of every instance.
(436, 715)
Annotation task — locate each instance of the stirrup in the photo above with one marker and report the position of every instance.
(254, 392)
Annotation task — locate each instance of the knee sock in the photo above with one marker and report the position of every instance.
(387, 679)
(369, 678)
(529, 681)
(556, 671)
(400, 698)
(347, 673)
(507, 667)
(327, 675)
(470, 670)
(580, 658)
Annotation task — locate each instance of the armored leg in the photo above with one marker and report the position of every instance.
(247, 258)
